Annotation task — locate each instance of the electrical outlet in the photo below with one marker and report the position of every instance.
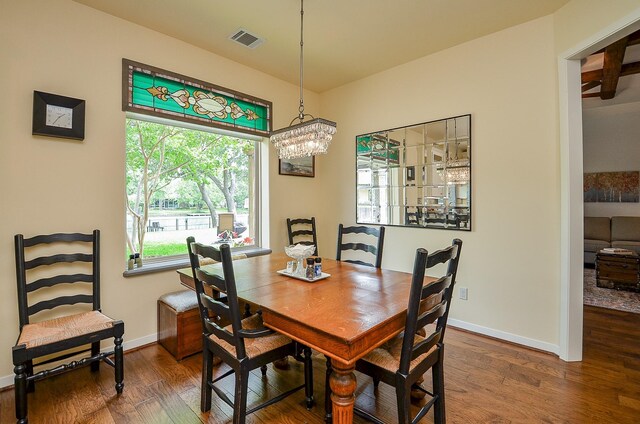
(464, 293)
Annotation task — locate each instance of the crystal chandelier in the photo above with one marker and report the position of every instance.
(455, 171)
(304, 138)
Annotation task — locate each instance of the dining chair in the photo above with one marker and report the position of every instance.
(402, 361)
(245, 344)
(60, 280)
(363, 246)
(366, 249)
(303, 231)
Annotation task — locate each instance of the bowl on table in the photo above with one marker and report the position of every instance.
(299, 252)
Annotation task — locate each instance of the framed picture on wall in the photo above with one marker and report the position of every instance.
(299, 167)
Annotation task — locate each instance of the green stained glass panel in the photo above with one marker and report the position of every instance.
(162, 94)
(383, 149)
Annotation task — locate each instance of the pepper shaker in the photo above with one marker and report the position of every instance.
(310, 271)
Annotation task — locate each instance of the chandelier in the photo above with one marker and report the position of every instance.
(455, 171)
(308, 138)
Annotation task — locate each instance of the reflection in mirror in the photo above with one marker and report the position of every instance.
(417, 176)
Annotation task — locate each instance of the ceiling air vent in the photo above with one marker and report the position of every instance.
(247, 39)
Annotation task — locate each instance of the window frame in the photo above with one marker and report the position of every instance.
(259, 221)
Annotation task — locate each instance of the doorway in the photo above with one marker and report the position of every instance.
(571, 176)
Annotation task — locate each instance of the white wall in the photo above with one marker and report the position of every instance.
(611, 143)
(52, 185)
(510, 259)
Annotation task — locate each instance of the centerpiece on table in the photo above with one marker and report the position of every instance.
(299, 252)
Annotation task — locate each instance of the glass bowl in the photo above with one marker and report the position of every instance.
(299, 251)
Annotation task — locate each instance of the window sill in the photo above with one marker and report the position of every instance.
(182, 261)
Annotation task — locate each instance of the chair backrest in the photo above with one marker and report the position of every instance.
(25, 268)
(440, 290)
(302, 231)
(225, 221)
(213, 309)
(375, 250)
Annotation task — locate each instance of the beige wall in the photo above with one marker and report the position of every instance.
(579, 20)
(506, 81)
(51, 185)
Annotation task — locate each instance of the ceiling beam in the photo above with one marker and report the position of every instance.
(630, 69)
(596, 75)
(613, 56)
(588, 76)
(589, 85)
(634, 39)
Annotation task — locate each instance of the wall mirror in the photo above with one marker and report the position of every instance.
(416, 176)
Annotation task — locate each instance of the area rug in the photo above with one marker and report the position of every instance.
(608, 298)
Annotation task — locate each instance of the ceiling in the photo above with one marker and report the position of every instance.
(344, 40)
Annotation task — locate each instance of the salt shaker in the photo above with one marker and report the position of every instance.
(318, 267)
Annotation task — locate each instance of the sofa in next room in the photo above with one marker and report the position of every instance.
(619, 231)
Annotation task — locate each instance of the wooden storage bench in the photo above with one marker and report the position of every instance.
(179, 325)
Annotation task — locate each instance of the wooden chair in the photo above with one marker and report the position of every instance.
(300, 230)
(375, 250)
(401, 361)
(364, 247)
(56, 336)
(245, 344)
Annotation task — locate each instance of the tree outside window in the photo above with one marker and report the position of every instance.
(177, 182)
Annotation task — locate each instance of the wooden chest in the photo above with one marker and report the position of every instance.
(616, 271)
(179, 325)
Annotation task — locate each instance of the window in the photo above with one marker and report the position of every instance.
(192, 161)
(180, 180)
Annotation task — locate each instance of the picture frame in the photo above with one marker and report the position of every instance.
(298, 167)
(58, 116)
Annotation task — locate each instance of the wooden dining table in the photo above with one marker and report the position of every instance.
(344, 316)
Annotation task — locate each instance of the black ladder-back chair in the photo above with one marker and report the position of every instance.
(56, 336)
(403, 367)
(304, 228)
(245, 344)
(369, 248)
(374, 250)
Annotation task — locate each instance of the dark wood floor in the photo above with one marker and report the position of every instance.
(486, 381)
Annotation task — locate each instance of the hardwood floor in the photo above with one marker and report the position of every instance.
(486, 381)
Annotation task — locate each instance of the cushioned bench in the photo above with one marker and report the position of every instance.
(179, 326)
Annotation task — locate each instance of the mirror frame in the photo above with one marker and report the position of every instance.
(437, 215)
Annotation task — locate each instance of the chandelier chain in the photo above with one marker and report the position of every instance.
(303, 139)
(301, 107)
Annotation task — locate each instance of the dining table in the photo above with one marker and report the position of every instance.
(344, 316)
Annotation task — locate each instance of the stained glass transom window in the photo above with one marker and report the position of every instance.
(154, 91)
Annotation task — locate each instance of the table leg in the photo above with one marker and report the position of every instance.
(343, 385)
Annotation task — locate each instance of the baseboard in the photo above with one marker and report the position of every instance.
(503, 335)
(7, 380)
